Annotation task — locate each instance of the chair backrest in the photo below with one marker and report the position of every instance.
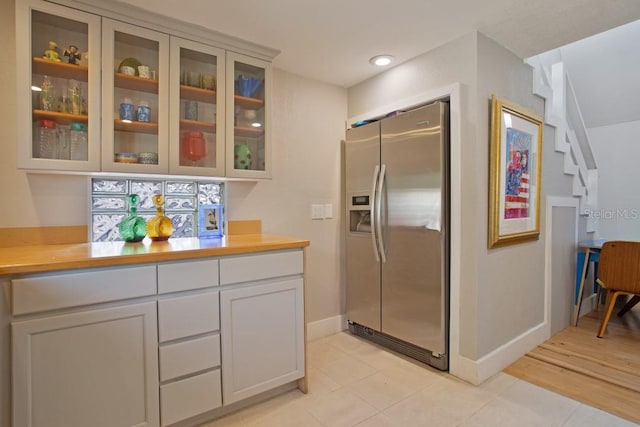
(619, 266)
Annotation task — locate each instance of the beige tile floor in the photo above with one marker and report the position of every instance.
(356, 383)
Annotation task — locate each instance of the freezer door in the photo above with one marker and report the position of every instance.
(362, 156)
(414, 278)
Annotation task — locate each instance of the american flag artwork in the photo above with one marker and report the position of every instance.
(517, 197)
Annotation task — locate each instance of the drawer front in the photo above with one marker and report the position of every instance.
(177, 360)
(262, 266)
(189, 397)
(188, 315)
(55, 291)
(186, 275)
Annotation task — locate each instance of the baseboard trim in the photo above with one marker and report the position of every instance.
(326, 327)
(477, 371)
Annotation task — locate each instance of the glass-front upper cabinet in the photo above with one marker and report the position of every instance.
(197, 125)
(135, 95)
(248, 95)
(58, 76)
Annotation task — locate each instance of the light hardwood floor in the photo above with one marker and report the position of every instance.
(601, 372)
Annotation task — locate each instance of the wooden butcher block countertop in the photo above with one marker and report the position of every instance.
(45, 258)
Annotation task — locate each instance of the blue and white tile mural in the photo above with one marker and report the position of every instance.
(182, 198)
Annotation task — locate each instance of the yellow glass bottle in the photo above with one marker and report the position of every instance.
(159, 227)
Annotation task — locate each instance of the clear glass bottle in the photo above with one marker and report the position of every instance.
(75, 98)
(79, 143)
(47, 94)
(47, 140)
(64, 142)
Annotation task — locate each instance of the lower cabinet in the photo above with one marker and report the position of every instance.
(90, 368)
(262, 337)
(164, 344)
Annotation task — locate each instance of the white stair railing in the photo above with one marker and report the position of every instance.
(551, 82)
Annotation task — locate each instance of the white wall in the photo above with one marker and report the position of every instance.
(510, 279)
(616, 149)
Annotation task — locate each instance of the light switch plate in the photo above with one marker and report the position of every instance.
(328, 211)
(317, 211)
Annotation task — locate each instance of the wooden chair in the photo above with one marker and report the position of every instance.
(619, 274)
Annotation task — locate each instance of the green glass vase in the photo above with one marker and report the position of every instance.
(133, 228)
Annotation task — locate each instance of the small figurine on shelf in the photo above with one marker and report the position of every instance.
(73, 54)
(52, 52)
(160, 226)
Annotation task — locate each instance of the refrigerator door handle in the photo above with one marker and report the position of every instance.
(378, 219)
(372, 212)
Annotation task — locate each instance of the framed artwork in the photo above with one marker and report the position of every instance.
(514, 174)
(210, 223)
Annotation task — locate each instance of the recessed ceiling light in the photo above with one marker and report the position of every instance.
(381, 60)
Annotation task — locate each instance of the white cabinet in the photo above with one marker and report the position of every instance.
(133, 141)
(248, 117)
(262, 327)
(198, 110)
(155, 344)
(53, 94)
(88, 368)
(189, 337)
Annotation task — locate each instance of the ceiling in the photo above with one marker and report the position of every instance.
(332, 40)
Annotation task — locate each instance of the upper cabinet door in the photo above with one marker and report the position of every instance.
(58, 84)
(248, 121)
(196, 113)
(135, 105)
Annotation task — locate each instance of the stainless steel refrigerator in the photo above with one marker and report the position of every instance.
(397, 245)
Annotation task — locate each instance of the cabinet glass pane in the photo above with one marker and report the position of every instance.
(59, 87)
(135, 98)
(249, 117)
(198, 84)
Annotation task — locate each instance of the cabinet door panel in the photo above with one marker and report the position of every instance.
(263, 266)
(262, 329)
(189, 397)
(248, 117)
(197, 109)
(132, 142)
(187, 316)
(57, 92)
(187, 275)
(188, 357)
(92, 368)
(71, 289)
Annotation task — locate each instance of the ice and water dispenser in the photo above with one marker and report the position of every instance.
(359, 214)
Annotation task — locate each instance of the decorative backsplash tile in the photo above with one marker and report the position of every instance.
(182, 198)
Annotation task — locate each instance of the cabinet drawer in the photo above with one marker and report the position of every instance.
(54, 291)
(262, 266)
(183, 276)
(189, 397)
(177, 360)
(188, 315)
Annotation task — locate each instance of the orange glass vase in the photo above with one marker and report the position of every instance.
(159, 227)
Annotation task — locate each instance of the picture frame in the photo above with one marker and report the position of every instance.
(514, 174)
(210, 221)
